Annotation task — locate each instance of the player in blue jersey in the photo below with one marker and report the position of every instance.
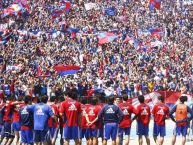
(41, 113)
(26, 122)
(111, 116)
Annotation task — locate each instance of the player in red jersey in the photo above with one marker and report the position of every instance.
(100, 122)
(92, 116)
(125, 124)
(61, 99)
(143, 119)
(70, 111)
(16, 122)
(2, 104)
(7, 118)
(161, 113)
(53, 125)
(83, 123)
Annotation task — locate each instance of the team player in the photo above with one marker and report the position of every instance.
(2, 104)
(125, 124)
(91, 117)
(26, 122)
(83, 123)
(111, 116)
(70, 111)
(8, 119)
(181, 119)
(143, 119)
(41, 113)
(16, 123)
(99, 122)
(61, 99)
(160, 112)
(53, 125)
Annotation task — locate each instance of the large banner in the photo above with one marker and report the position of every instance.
(171, 98)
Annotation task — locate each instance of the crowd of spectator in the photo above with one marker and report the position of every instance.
(38, 42)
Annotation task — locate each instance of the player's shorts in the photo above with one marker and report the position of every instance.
(88, 133)
(8, 130)
(123, 131)
(83, 133)
(41, 135)
(100, 132)
(159, 130)
(16, 126)
(181, 130)
(71, 132)
(110, 130)
(27, 136)
(53, 132)
(142, 129)
(1, 130)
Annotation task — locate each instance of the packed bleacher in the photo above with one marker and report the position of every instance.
(106, 47)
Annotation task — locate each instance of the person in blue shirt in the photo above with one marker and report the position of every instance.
(26, 121)
(41, 113)
(111, 116)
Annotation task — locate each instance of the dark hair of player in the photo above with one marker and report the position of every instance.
(161, 98)
(94, 101)
(141, 98)
(72, 94)
(44, 99)
(183, 99)
(27, 99)
(83, 100)
(52, 98)
(110, 100)
(125, 97)
(101, 97)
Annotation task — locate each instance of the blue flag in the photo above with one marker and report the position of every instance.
(111, 11)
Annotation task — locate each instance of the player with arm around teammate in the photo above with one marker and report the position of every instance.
(26, 121)
(41, 113)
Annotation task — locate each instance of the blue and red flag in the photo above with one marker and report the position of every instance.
(63, 8)
(16, 9)
(67, 70)
(67, 6)
(24, 3)
(73, 31)
(156, 32)
(155, 4)
(106, 37)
